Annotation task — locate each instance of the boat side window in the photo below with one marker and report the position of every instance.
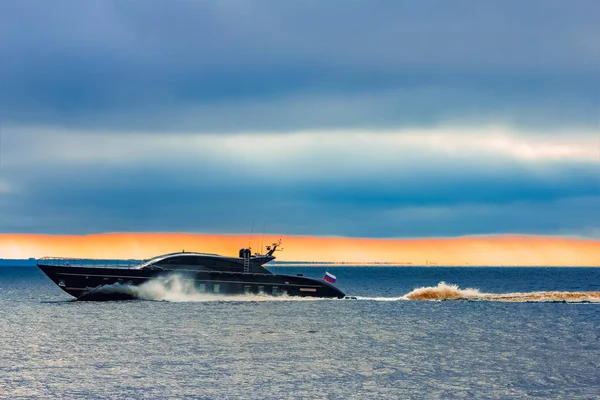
(216, 288)
(261, 290)
(182, 260)
(202, 288)
(222, 263)
(275, 291)
(207, 262)
(170, 261)
(247, 289)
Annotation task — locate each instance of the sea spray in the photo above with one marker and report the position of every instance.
(179, 288)
(545, 297)
(442, 291)
(173, 288)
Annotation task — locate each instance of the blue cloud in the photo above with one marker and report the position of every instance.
(202, 199)
(127, 68)
(152, 65)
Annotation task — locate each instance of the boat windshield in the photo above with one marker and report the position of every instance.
(156, 259)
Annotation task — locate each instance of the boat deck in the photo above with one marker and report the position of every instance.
(89, 262)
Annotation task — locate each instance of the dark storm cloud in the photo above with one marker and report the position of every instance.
(112, 114)
(270, 65)
(207, 198)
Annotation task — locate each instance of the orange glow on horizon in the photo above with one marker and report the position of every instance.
(480, 250)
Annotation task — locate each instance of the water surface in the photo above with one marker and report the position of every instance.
(380, 346)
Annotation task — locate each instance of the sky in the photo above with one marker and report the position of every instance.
(361, 119)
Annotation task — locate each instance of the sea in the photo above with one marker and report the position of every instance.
(411, 333)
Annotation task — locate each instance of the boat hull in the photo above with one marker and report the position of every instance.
(97, 284)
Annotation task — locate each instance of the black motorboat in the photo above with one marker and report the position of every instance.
(210, 273)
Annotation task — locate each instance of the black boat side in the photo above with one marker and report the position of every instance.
(210, 273)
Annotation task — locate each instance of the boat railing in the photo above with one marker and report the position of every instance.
(89, 262)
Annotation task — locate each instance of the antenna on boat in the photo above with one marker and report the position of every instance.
(273, 248)
(262, 239)
(251, 232)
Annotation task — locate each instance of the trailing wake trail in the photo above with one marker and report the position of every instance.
(178, 289)
(444, 291)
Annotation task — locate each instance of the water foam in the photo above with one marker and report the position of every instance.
(177, 288)
(444, 291)
(378, 298)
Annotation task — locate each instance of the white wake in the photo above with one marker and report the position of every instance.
(176, 288)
